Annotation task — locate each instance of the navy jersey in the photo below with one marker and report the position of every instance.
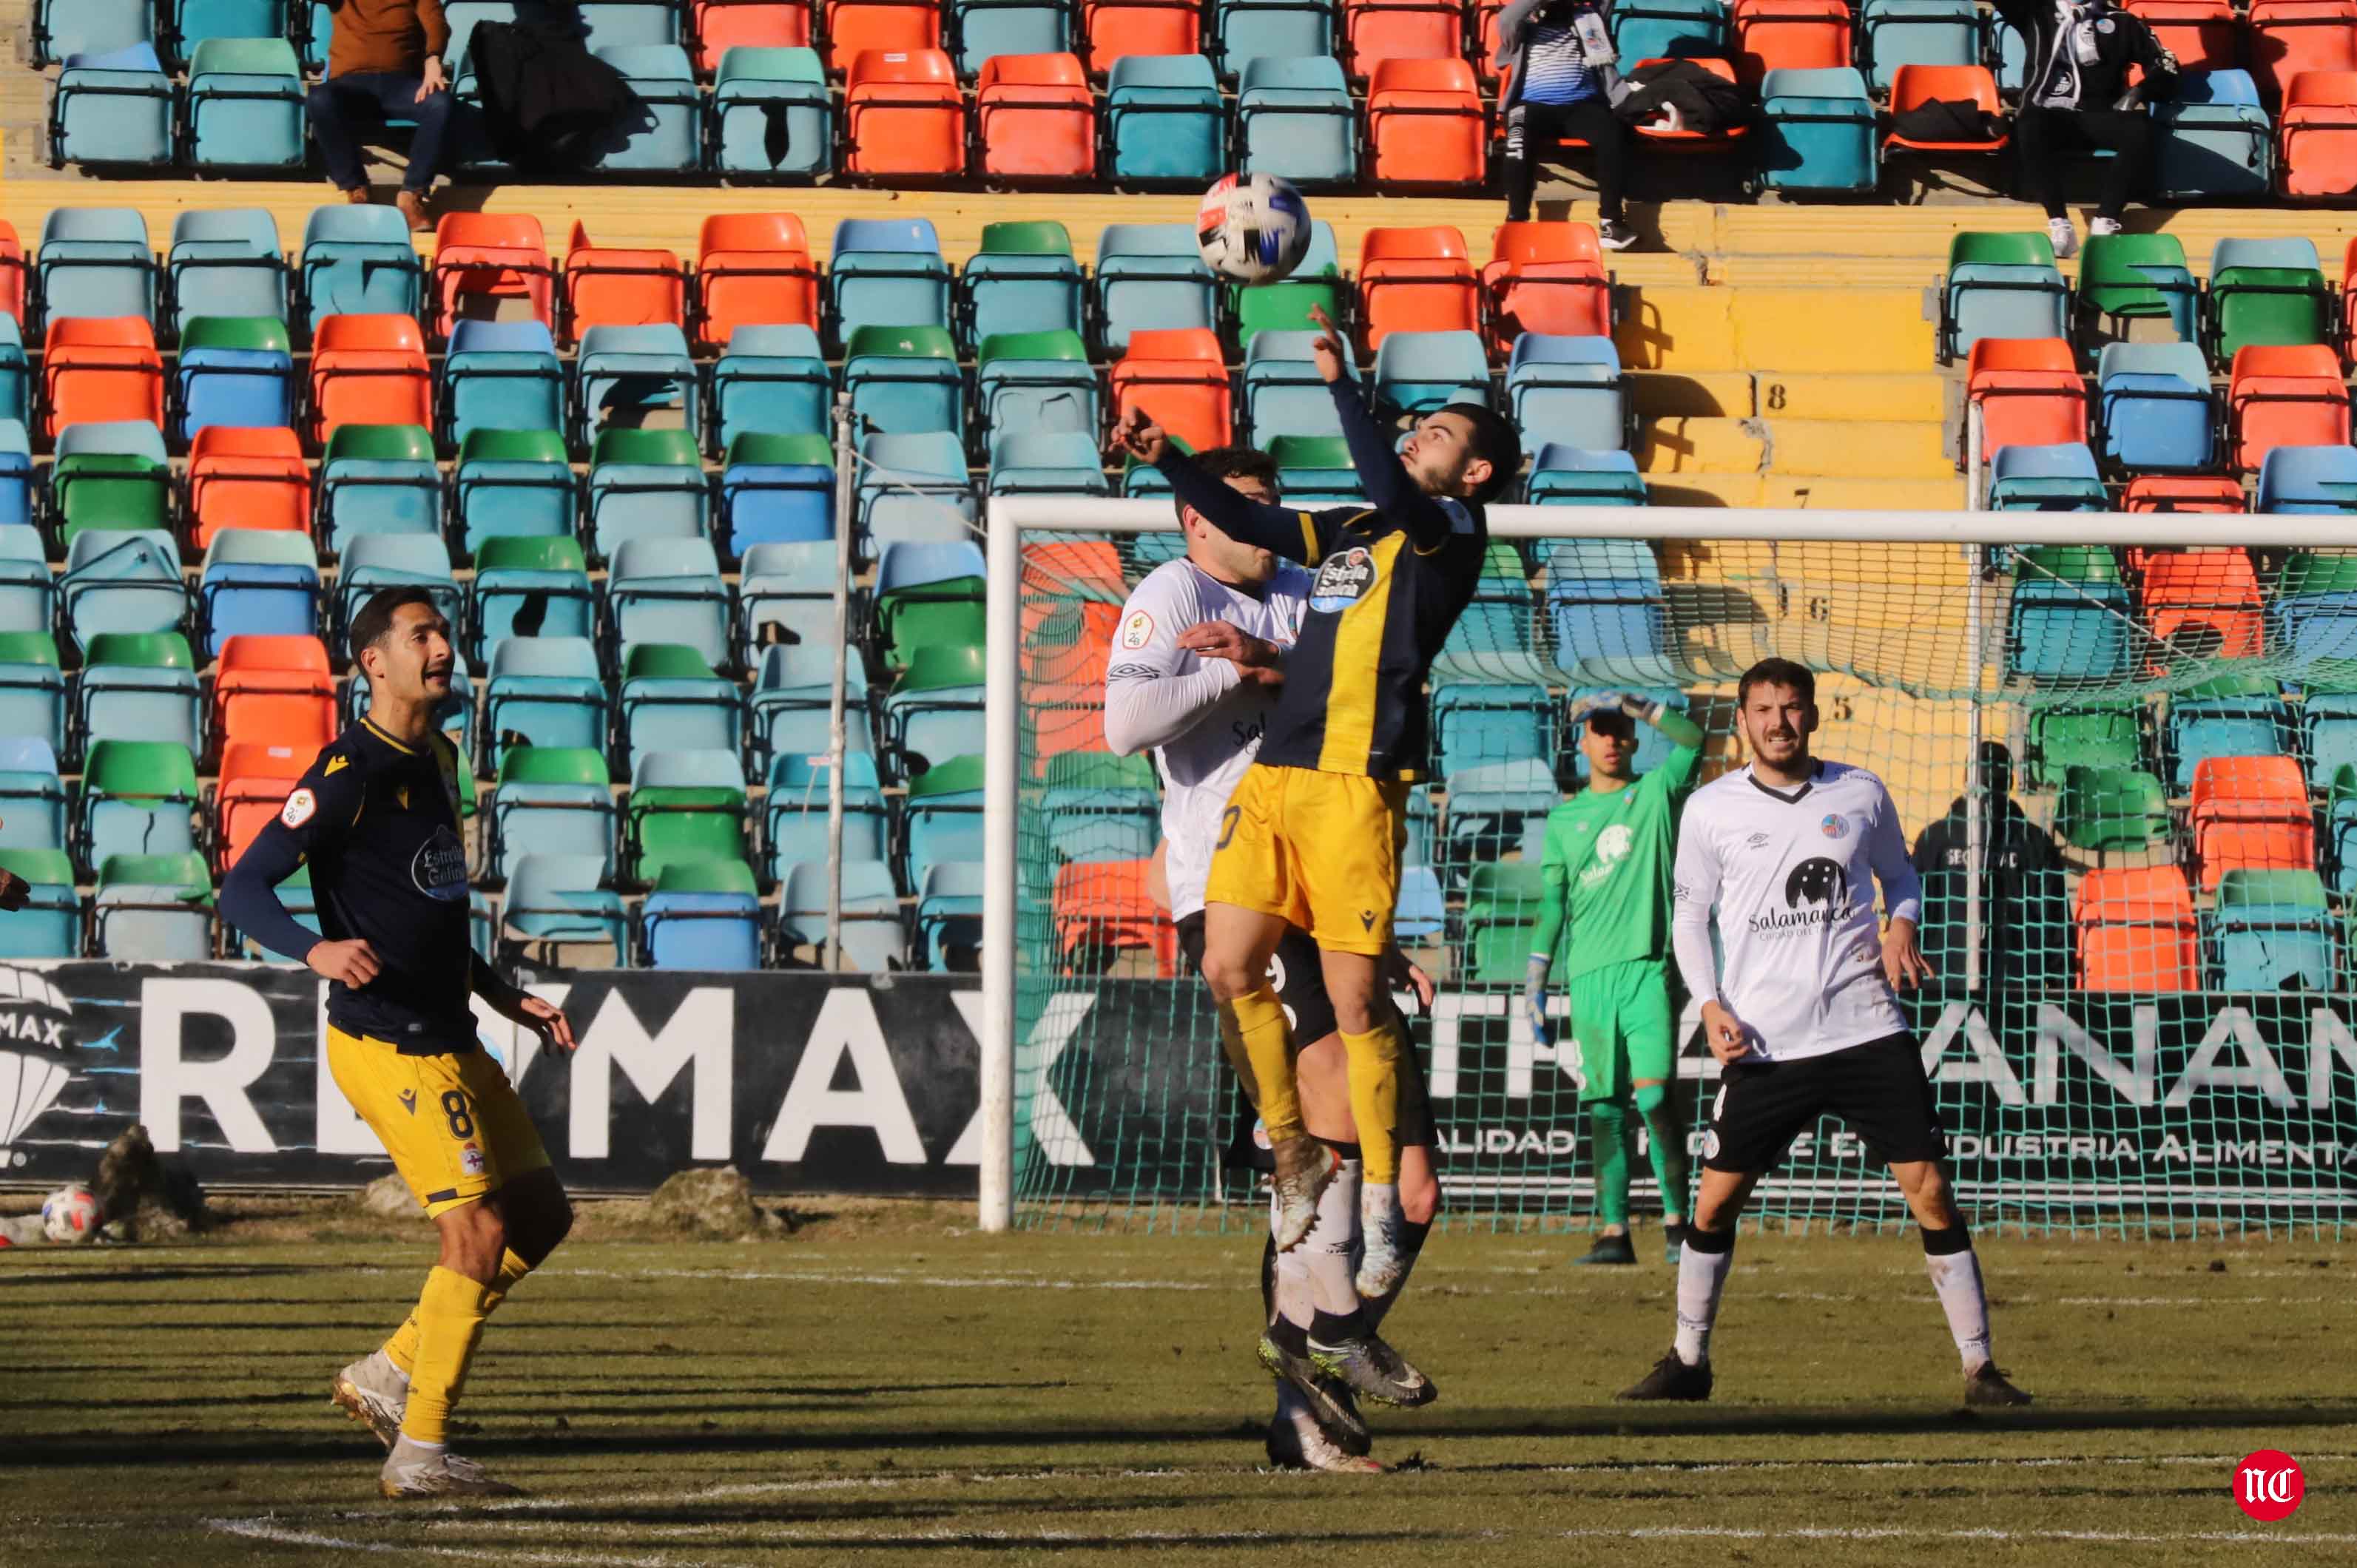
(377, 821)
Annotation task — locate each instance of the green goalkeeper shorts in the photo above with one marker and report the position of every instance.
(1621, 1022)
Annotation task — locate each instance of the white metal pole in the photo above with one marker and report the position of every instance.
(846, 482)
(1976, 564)
(1002, 782)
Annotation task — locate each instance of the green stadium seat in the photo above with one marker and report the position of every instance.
(683, 806)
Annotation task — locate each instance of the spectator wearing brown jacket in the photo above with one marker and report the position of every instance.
(385, 64)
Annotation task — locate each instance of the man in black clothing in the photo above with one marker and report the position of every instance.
(376, 817)
(2025, 920)
(2079, 98)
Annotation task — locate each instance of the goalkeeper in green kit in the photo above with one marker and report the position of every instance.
(1604, 932)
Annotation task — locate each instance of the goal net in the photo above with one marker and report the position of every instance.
(2124, 749)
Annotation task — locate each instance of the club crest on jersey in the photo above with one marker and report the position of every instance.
(1836, 826)
(299, 807)
(1343, 580)
(471, 1160)
(1137, 630)
(439, 867)
(1612, 847)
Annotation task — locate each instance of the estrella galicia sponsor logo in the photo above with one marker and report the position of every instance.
(1816, 893)
(439, 868)
(1343, 580)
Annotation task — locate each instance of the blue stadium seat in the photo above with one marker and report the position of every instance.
(529, 587)
(1568, 391)
(706, 916)
(2002, 300)
(375, 562)
(1494, 638)
(2007, 55)
(1295, 120)
(543, 691)
(1477, 721)
(636, 378)
(1417, 372)
(1892, 33)
(1489, 803)
(318, 36)
(672, 701)
(1164, 119)
(2068, 631)
(94, 261)
(2061, 478)
(1818, 132)
(513, 484)
(1286, 28)
(646, 484)
(2328, 735)
(904, 380)
(257, 582)
(226, 262)
(558, 900)
(1036, 382)
(15, 395)
(1609, 613)
(1049, 463)
(2231, 716)
(239, 373)
(941, 817)
(377, 480)
(1571, 476)
(28, 596)
(1423, 911)
(1669, 29)
(1023, 279)
(668, 135)
(886, 273)
(140, 688)
(502, 375)
(788, 585)
(112, 109)
(936, 588)
(32, 794)
(619, 23)
(2271, 931)
(873, 937)
(776, 489)
(2313, 479)
(794, 818)
(152, 908)
(1283, 393)
(358, 260)
(245, 103)
(2154, 408)
(137, 796)
(32, 689)
(770, 115)
(771, 380)
(1152, 274)
(948, 917)
(913, 487)
(551, 800)
(65, 27)
(194, 21)
(50, 924)
(669, 590)
(935, 712)
(2213, 139)
(987, 28)
(1098, 808)
(121, 581)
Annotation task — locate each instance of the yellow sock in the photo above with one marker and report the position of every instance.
(1373, 1062)
(450, 1313)
(402, 1348)
(1260, 1045)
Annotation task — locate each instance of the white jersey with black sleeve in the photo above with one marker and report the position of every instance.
(1202, 722)
(1789, 876)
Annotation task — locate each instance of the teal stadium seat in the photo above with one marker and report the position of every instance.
(770, 115)
(1283, 393)
(1892, 33)
(557, 901)
(192, 22)
(28, 595)
(794, 818)
(1164, 119)
(543, 692)
(1035, 382)
(377, 478)
(112, 109)
(32, 794)
(2001, 285)
(1295, 120)
(1818, 132)
(1568, 391)
(32, 689)
(668, 135)
(771, 380)
(785, 599)
(551, 799)
(2061, 478)
(514, 484)
(987, 28)
(669, 590)
(500, 375)
(49, 925)
(64, 27)
(121, 580)
(913, 487)
(95, 260)
(375, 562)
(1669, 29)
(152, 908)
(226, 262)
(245, 104)
(358, 260)
(1572, 475)
(904, 380)
(646, 484)
(873, 937)
(528, 587)
(1046, 463)
(670, 700)
(636, 378)
(1152, 275)
(1419, 373)
(1022, 279)
(1248, 29)
(886, 273)
(2213, 140)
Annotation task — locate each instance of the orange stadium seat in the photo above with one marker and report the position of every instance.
(753, 269)
(2284, 395)
(723, 24)
(1119, 27)
(1547, 277)
(856, 26)
(246, 478)
(1916, 85)
(1425, 124)
(2137, 930)
(255, 780)
(11, 273)
(2288, 36)
(2316, 147)
(1416, 280)
(274, 691)
(1485, 41)
(1074, 582)
(2182, 492)
(1035, 118)
(2251, 812)
(1378, 30)
(2201, 34)
(2029, 392)
(2349, 291)
(491, 267)
(99, 367)
(1789, 35)
(2205, 603)
(903, 114)
(369, 370)
(1179, 377)
(1066, 715)
(1104, 905)
(605, 287)
(1695, 141)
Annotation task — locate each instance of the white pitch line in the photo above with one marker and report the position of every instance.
(281, 1535)
(946, 1282)
(1901, 1532)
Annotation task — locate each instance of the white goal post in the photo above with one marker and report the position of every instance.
(1011, 516)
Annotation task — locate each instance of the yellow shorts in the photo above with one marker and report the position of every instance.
(454, 1125)
(1318, 850)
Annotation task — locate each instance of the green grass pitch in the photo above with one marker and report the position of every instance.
(888, 1387)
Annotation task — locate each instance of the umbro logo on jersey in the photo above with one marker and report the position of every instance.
(1759, 840)
(409, 1101)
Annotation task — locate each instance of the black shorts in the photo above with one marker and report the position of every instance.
(1878, 1088)
(1300, 980)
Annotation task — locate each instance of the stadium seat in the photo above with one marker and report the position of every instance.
(604, 286)
(684, 807)
(1669, 29)
(2201, 34)
(1895, 33)
(933, 712)
(776, 489)
(904, 380)
(1568, 391)
(667, 136)
(670, 700)
(2070, 618)
(636, 378)
(786, 599)
(1035, 119)
(644, 485)
(1660, 133)
(491, 267)
(1913, 86)
(886, 273)
(1567, 475)
(1151, 276)
(2045, 478)
(112, 109)
(942, 817)
(1295, 120)
(233, 370)
(1022, 279)
(28, 595)
(32, 689)
(2327, 739)
(853, 26)
(1114, 30)
(2027, 392)
(2267, 292)
(1056, 463)
(873, 938)
(1279, 29)
(611, 24)
(2203, 604)
(719, 25)
(2284, 396)
(1547, 277)
(375, 562)
(529, 588)
(2105, 809)
(557, 905)
(2312, 614)
(1818, 129)
(753, 269)
(1489, 806)
(794, 817)
(358, 260)
(1104, 908)
(500, 375)
(1285, 305)
(63, 27)
(2136, 931)
(1426, 127)
(769, 113)
(903, 115)
(2137, 288)
(913, 487)
(703, 915)
(100, 369)
(669, 590)
(927, 594)
(225, 261)
(121, 580)
(1177, 376)
(95, 260)
(545, 693)
(2271, 931)
(1164, 121)
(49, 923)
(2105, 732)
(110, 475)
(1479, 722)
(2163, 493)
(15, 475)
(152, 908)
(255, 780)
(2154, 408)
(2311, 479)
(15, 409)
(1100, 808)
(948, 918)
(377, 480)
(2251, 812)
(2213, 140)
(2000, 285)
(1416, 280)
(2288, 39)
(12, 275)
(1607, 609)
(254, 581)
(1375, 31)
(1034, 382)
(2226, 716)
(1316, 471)
(551, 800)
(511, 483)
(2316, 156)
(1786, 35)
(771, 380)
(245, 104)
(32, 795)
(369, 370)
(137, 796)
(1283, 393)
(246, 478)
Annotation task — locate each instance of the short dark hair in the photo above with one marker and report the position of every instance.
(1224, 463)
(375, 618)
(1777, 673)
(1495, 438)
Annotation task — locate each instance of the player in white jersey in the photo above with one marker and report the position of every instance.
(1782, 857)
(1196, 663)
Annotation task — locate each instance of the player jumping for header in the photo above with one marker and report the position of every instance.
(1313, 836)
(1802, 1014)
(376, 817)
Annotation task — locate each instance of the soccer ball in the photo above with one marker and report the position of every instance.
(1253, 227)
(70, 1215)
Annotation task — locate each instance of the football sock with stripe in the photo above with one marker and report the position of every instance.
(450, 1314)
(1333, 1241)
(1374, 1060)
(1259, 1045)
(1292, 1299)
(402, 1348)
(1702, 1275)
(1609, 1130)
(1665, 1146)
(1956, 1271)
(1412, 1240)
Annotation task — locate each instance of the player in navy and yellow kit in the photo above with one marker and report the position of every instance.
(1313, 835)
(376, 819)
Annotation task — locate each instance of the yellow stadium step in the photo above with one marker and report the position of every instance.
(1809, 394)
(1703, 395)
(1694, 328)
(1852, 449)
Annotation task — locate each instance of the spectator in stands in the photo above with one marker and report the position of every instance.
(1560, 82)
(386, 64)
(2078, 97)
(2024, 919)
